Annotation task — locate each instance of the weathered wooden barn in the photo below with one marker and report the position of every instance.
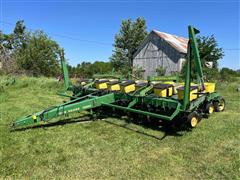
(160, 49)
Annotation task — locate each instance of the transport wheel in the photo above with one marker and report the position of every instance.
(193, 119)
(209, 108)
(219, 106)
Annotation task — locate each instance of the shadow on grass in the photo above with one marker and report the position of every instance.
(166, 129)
(166, 133)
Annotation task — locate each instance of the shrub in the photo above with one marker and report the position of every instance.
(161, 71)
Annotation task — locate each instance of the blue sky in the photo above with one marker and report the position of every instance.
(86, 29)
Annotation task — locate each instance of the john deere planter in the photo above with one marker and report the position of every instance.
(156, 99)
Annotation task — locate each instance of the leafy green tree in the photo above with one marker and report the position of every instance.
(20, 35)
(16, 39)
(209, 50)
(9, 43)
(34, 53)
(130, 36)
(40, 56)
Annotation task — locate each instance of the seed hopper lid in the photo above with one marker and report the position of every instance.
(113, 82)
(141, 84)
(129, 82)
(191, 88)
(102, 81)
(162, 86)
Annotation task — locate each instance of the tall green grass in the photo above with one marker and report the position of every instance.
(113, 148)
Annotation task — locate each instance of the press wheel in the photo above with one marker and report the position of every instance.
(219, 106)
(209, 108)
(193, 119)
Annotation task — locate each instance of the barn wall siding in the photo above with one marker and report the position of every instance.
(156, 52)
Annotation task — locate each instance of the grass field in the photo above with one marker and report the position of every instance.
(113, 148)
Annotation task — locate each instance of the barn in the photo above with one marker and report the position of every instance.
(160, 49)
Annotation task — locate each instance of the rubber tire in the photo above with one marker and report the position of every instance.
(208, 106)
(216, 105)
(190, 117)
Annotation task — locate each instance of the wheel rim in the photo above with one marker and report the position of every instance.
(211, 109)
(221, 105)
(194, 121)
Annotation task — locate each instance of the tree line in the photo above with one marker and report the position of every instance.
(36, 54)
(88, 69)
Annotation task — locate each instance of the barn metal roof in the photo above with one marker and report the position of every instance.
(179, 43)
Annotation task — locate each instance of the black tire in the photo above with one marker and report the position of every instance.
(219, 106)
(193, 119)
(209, 108)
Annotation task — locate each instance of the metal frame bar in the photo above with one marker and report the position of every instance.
(88, 97)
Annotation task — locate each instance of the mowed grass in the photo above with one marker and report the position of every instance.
(112, 148)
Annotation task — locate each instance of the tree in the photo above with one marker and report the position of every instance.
(209, 50)
(40, 56)
(16, 39)
(131, 34)
(32, 52)
(9, 43)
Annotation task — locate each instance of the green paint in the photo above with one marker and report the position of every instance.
(87, 97)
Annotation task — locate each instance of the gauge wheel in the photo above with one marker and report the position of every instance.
(193, 119)
(209, 108)
(219, 106)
